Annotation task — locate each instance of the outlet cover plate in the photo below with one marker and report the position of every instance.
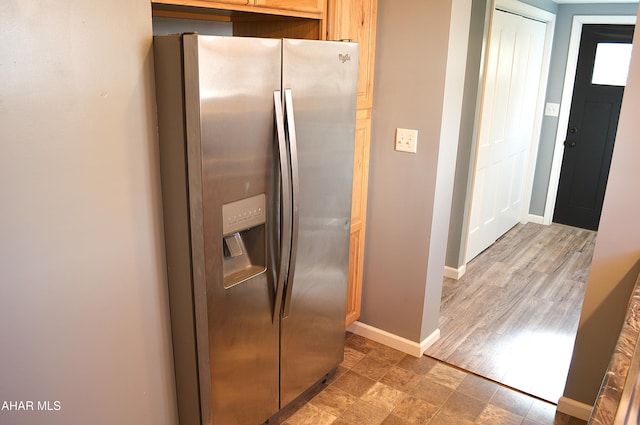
(406, 140)
(552, 109)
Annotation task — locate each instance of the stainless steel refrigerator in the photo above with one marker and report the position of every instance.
(256, 157)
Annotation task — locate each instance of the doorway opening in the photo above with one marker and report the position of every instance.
(499, 268)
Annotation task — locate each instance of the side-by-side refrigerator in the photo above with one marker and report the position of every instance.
(256, 157)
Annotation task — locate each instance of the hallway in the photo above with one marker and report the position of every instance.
(513, 316)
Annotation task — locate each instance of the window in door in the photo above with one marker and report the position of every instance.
(611, 65)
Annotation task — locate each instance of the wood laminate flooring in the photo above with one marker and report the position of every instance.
(513, 316)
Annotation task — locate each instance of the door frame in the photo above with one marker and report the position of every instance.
(549, 19)
(567, 97)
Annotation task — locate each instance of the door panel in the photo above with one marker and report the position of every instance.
(236, 80)
(323, 79)
(593, 122)
(595, 135)
(512, 79)
(299, 5)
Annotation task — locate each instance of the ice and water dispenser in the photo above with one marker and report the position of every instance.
(244, 243)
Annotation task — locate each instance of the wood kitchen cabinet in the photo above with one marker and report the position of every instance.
(355, 20)
(299, 8)
(236, 2)
(358, 214)
(312, 6)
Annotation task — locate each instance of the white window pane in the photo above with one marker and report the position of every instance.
(612, 64)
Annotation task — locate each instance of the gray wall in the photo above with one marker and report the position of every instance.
(411, 60)
(558, 65)
(615, 263)
(83, 305)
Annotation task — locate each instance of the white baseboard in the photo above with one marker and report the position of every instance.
(538, 219)
(456, 274)
(394, 341)
(574, 408)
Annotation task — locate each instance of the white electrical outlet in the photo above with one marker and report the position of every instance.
(552, 109)
(406, 140)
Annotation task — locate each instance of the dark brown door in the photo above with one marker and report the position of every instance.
(593, 121)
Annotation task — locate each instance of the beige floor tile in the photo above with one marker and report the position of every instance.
(384, 396)
(494, 415)
(512, 401)
(463, 406)
(354, 383)
(372, 367)
(310, 415)
(446, 375)
(414, 410)
(418, 365)
(362, 413)
(432, 392)
(478, 388)
(360, 343)
(444, 418)
(333, 400)
(294, 407)
(394, 420)
(351, 357)
(401, 379)
(387, 353)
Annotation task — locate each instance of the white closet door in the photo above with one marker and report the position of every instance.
(512, 80)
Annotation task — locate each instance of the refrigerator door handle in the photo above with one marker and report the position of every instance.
(295, 192)
(285, 181)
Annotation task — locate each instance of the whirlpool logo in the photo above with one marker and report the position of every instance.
(344, 57)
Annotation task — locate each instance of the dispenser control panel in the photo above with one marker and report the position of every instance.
(243, 214)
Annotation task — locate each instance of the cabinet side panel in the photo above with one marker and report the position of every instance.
(171, 126)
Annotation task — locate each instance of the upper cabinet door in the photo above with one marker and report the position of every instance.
(238, 2)
(355, 20)
(312, 6)
(311, 9)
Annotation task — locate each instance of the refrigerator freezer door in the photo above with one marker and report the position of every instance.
(237, 78)
(322, 77)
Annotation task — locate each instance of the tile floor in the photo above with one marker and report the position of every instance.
(377, 385)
